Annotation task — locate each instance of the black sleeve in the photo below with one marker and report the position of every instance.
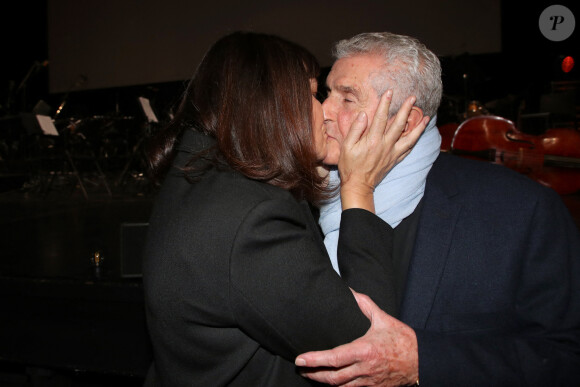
(283, 290)
(365, 249)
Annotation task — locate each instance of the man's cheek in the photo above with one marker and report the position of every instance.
(344, 123)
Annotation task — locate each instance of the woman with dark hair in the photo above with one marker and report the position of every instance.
(237, 280)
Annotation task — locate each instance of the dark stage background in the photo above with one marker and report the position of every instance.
(53, 50)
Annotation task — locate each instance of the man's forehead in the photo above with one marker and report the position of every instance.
(353, 74)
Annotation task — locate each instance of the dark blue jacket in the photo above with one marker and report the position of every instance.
(493, 289)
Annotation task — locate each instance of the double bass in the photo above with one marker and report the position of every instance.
(551, 158)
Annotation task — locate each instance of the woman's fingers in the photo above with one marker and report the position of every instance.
(381, 118)
(356, 130)
(378, 126)
(393, 131)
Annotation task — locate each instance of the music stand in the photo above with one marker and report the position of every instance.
(137, 152)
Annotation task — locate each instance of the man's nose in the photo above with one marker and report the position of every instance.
(328, 110)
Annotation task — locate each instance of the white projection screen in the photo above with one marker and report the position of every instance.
(113, 43)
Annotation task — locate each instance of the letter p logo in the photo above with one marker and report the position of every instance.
(557, 23)
(557, 20)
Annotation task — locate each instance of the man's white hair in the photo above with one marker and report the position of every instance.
(410, 68)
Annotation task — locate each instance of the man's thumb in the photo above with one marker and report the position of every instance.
(366, 305)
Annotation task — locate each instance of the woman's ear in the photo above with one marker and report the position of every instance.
(414, 119)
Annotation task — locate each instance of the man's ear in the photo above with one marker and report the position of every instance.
(414, 119)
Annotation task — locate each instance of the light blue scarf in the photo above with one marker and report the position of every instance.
(396, 197)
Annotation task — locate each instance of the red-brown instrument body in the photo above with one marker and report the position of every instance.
(447, 131)
(552, 158)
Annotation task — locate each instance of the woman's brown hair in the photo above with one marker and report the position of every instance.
(251, 92)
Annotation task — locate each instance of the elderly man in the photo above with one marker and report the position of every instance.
(485, 275)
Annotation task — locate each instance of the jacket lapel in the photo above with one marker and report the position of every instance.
(437, 222)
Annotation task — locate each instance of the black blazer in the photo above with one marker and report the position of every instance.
(238, 282)
(493, 289)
